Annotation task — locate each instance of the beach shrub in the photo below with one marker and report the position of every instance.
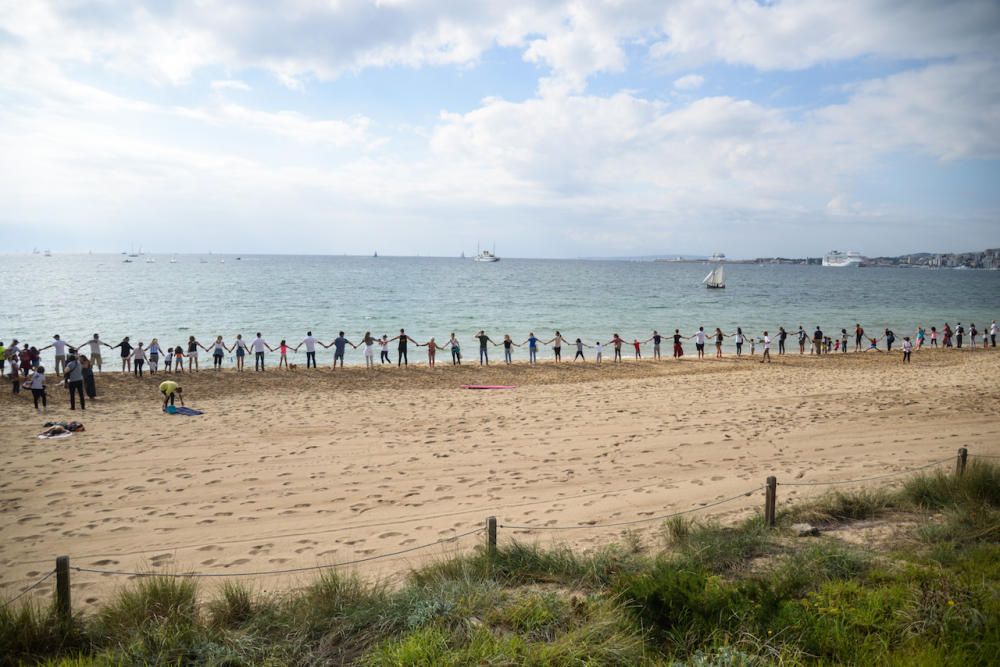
(522, 563)
(803, 570)
(687, 605)
(720, 549)
(839, 506)
(29, 631)
(978, 486)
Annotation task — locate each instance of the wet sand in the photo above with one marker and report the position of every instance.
(299, 468)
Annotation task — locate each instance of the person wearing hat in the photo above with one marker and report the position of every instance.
(170, 389)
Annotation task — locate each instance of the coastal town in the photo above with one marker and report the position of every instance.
(983, 259)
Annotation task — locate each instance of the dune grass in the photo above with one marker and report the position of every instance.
(713, 595)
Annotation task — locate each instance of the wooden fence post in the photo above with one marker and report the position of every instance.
(770, 498)
(64, 608)
(491, 536)
(963, 456)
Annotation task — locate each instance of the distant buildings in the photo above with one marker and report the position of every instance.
(985, 259)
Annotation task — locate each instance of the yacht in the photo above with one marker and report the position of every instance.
(839, 259)
(486, 256)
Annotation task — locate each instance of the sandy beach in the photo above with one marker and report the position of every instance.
(293, 469)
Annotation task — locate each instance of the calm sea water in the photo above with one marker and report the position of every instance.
(284, 296)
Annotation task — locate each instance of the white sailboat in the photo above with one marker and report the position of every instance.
(717, 278)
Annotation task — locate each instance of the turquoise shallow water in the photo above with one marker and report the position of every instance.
(284, 296)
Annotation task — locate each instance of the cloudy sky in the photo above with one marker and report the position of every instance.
(552, 129)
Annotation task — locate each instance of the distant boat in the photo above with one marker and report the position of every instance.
(486, 256)
(35, 251)
(841, 260)
(717, 278)
(222, 261)
(375, 255)
(173, 260)
(126, 261)
(462, 256)
(48, 253)
(150, 260)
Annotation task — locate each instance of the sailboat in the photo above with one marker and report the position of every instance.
(375, 256)
(717, 278)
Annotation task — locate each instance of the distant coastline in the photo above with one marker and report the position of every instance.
(988, 260)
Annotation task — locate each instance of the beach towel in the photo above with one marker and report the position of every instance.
(54, 436)
(69, 426)
(488, 386)
(187, 412)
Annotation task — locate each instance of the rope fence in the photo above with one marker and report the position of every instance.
(634, 521)
(63, 568)
(28, 589)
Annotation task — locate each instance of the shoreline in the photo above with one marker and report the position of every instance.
(296, 469)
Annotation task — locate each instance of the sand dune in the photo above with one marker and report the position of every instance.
(295, 469)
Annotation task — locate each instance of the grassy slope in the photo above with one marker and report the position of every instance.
(740, 595)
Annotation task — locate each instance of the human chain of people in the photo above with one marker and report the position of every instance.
(137, 358)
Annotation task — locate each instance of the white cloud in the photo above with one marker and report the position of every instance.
(567, 161)
(689, 82)
(308, 39)
(231, 84)
(796, 35)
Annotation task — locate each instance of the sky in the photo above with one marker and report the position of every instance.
(545, 128)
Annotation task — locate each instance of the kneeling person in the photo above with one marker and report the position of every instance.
(170, 389)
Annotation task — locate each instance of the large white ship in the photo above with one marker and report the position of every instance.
(842, 259)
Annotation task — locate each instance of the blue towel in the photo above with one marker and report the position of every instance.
(187, 412)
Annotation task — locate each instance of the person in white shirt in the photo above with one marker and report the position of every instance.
(598, 349)
(155, 351)
(994, 330)
(138, 359)
(767, 349)
(241, 351)
(699, 341)
(384, 350)
(258, 346)
(310, 342)
(37, 385)
(60, 349)
(95, 344)
(219, 349)
(907, 349)
(368, 342)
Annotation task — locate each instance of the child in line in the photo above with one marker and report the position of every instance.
(283, 359)
(638, 351)
(598, 348)
(907, 349)
(178, 359)
(168, 360)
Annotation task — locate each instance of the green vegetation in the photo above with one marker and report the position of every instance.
(711, 595)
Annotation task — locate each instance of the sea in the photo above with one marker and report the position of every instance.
(283, 297)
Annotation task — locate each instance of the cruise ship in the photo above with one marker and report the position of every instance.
(842, 259)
